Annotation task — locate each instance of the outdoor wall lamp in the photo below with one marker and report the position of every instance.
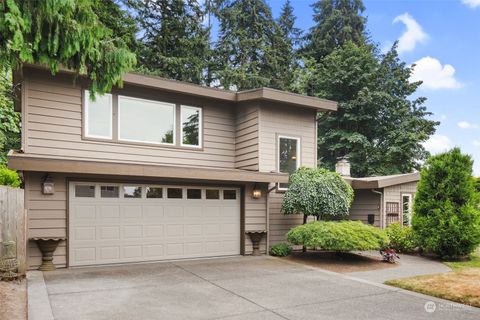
(48, 186)
(257, 192)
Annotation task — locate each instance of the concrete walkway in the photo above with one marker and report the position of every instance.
(408, 266)
(233, 288)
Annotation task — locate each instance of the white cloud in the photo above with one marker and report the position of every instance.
(476, 143)
(438, 143)
(434, 75)
(467, 125)
(413, 35)
(472, 3)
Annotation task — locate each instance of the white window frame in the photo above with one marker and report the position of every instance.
(86, 105)
(200, 127)
(120, 97)
(298, 160)
(410, 207)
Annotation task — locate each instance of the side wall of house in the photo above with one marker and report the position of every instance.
(275, 121)
(48, 215)
(246, 137)
(52, 123)
(394, 194)
(366, 202)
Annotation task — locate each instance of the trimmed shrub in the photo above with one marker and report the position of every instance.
(317, 192)
(338, 236)
(280, 250)
(9, 178)
(447, 216)
(402, 239)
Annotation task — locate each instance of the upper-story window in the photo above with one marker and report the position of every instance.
(98, 116)
(141, 120)
(191, 126)
(288, 156)
(133, 120)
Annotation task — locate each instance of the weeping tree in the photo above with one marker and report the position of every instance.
(317, 192)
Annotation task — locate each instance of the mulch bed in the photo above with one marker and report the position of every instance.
(340, 262)
(13, 300)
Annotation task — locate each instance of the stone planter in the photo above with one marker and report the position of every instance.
(47, 246)
(256, 236)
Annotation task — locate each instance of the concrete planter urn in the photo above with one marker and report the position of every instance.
(47, 246)
(256, 236)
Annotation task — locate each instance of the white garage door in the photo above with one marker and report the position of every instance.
(114, 223)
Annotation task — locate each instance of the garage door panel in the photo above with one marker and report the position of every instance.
(114, 230)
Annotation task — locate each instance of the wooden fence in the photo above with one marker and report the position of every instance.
(13, 225)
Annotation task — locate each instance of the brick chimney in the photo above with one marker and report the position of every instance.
(342, 167)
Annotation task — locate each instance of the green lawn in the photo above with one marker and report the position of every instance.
(460, 285)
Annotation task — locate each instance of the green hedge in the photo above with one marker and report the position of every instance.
(280, 250)
(338, 236)
(402, 239)
(9, 178)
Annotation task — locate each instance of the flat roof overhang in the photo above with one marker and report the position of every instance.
(179, 87)
(22, 162)
(382, 181)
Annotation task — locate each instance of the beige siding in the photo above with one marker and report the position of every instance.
(246, 137)
(300, 123)
(365, 202)
(54, 128)
(46, 216)
(394, 194)
(255, 217)
(277, 120)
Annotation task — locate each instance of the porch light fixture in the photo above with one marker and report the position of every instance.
(257, 192)
(48, 186)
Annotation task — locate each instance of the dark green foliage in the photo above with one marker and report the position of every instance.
(174, 43)
(118, 20)
(280, 250)
(286, 40)
(446, 206)
(338, 236)
(402, 238)
(317, 192)
(9, 178)
(62, 33)
(376, 125)
(477, 184)
(244, 53)
(9, 119)
(336, 23)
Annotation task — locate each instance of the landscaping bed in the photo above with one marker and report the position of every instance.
(13, 297)
(340, 262)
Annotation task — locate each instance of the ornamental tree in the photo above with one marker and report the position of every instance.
(317, 192)
(447, 206)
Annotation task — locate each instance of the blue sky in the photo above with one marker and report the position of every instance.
(443, 38)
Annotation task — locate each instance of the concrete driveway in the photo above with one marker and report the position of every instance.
(230, 288)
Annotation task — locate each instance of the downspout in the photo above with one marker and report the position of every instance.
(268, 217)
(382, 222)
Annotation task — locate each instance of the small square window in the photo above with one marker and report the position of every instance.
(132, 192)
(175, 193)
(83, 191)
(154, 192)
(194, 193)
(109, 191)
(229, 194)
(213, 194)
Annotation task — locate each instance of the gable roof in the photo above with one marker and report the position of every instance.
(259, 94)
(382, 181)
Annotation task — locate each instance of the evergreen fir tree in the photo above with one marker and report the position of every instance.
(336, 23)
(174, 42)
(287, 39)
(244, 51)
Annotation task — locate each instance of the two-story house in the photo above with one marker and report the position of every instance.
(158, 169)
